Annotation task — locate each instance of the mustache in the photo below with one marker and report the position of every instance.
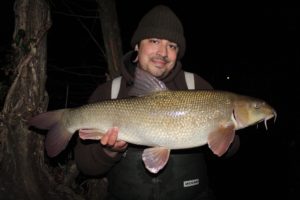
(162, 58)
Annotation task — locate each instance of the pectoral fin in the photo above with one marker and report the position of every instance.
(156, 158)
(220, 139)
(90, 134)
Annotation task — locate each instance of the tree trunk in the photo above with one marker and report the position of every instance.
(24, 174)
(25, 170)
(111, 36)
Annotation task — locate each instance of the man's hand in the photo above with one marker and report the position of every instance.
(111, 145)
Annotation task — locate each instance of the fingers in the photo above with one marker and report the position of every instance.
(110, 138)
(110, 141)
(120, 146)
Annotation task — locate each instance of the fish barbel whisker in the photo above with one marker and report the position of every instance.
(271, 116)
(275, 116)
(265, 121)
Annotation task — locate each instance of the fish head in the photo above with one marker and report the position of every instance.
(248, 111)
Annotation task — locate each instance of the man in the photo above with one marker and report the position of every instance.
(159, 45)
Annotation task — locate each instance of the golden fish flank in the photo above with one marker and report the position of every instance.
(159, 118)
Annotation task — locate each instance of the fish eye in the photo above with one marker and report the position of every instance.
(256, 105)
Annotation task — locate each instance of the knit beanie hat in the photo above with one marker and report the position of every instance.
(161, 23)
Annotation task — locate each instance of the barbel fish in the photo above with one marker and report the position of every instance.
(158, 118)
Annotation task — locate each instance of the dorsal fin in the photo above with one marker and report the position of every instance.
(145, 83)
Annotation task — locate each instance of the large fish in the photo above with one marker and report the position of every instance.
(158, 118)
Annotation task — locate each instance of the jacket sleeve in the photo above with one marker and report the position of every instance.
(89, 155)
(91, 159)
(202, 84)
(102, 92)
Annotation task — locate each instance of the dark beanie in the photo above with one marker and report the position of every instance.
(161, 23)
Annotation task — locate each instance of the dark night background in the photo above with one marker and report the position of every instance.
(249, 50)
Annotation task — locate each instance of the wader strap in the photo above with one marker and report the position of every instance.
(115, 87)
(189, 79)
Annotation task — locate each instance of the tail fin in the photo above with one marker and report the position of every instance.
(58, 136)
(46, 120)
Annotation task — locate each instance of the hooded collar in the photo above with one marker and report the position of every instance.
(128, 68)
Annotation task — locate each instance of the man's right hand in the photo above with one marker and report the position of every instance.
(111, 145)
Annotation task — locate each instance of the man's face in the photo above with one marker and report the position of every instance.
(157, 56)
